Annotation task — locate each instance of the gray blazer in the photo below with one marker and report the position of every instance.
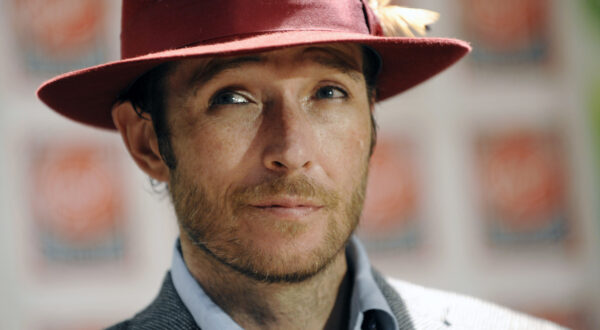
(414, 307)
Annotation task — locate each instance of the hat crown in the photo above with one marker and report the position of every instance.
(150, 26)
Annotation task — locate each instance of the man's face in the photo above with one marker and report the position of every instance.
(272, 154)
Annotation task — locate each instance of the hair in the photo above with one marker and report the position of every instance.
(147, 96)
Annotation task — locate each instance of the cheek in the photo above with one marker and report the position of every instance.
(213, 154)
(346, 149)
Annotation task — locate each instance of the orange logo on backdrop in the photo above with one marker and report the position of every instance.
(523, 178)
(60, 25)
(392, 189)
(505, 23)
(78, 194)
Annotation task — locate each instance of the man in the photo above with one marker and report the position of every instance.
(258, 115)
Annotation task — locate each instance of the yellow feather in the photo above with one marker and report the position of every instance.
(402, 21)
(380, 3)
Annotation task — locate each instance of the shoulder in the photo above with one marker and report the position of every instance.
(433, 309)
(167, 311)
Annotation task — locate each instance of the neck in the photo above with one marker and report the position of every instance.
(320, 302)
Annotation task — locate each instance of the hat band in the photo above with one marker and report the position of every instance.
(162, 25)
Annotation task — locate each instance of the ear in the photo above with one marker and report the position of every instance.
(140, 140)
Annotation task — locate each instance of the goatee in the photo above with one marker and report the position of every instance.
(213, 225)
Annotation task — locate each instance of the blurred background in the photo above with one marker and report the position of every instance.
(485, 179)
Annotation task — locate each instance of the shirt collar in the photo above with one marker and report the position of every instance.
(366, 295)
(205, 312)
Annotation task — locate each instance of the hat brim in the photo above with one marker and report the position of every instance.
(88, 95)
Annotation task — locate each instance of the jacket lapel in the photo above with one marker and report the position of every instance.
(167, 311)
(396, 303)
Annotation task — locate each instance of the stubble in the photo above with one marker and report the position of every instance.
(214, 226)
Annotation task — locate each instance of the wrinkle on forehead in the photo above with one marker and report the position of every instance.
(345, 58)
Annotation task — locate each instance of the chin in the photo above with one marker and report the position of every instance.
(286, 252)
(293, 260)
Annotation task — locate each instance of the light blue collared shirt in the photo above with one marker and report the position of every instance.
(366, 295)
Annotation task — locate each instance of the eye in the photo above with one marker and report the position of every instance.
(330, 92)
(228, 97)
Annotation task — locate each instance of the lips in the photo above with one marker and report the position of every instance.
(286, 202)
(287, 206)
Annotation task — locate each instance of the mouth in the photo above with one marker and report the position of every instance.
(286, 203)
(287, 206)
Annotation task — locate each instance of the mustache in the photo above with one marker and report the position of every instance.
(299, 186)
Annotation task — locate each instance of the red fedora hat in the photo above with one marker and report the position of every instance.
(159, 31)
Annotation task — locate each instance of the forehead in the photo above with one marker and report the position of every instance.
(346, 58)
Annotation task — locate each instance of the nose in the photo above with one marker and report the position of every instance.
(291, 143)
